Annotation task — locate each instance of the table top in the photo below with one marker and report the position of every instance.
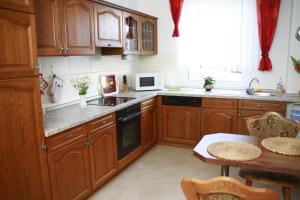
(268, 161)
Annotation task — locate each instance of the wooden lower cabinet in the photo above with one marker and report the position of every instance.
(148, 127)
(69, 170)
(103, 155)
(215, 120)
(181, 124)
(243, 115)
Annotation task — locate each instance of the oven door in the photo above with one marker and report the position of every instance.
(128, 134)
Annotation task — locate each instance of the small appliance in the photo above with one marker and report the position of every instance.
(147, 81)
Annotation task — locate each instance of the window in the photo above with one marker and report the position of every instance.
(218, 38)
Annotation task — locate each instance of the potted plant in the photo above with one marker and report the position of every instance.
(208, 83)
(82, 85)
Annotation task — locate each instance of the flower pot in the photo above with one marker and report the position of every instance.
(208, 87)
(83, 103)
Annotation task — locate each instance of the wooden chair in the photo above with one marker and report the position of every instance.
(272, 124)
(223, 188)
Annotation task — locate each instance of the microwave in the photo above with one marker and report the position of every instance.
(147, 81)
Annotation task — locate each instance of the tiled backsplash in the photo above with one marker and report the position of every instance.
(78, 66)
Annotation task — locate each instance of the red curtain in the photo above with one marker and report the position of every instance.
(267, 15)
(175, 6)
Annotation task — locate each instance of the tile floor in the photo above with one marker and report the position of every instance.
(157, 174)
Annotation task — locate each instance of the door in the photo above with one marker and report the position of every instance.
(108, 26)
(48, 27)
(78, 27)
(69, 170)
(18, 44)
(23, 164)
(131, 33)
(103, 155)
(148, 36)
(216, 120)
(18, 5)
(181, 124)
(148, 129)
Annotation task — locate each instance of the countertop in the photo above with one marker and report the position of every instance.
(67, 117)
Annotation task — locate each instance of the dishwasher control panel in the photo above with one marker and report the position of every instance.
(182, 101)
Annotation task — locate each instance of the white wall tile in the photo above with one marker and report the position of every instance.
(80, 64)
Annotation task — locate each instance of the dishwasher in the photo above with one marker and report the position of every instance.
(181, 118)
(293, 112)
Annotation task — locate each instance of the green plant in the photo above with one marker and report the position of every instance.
(209, 81)
(81, 84)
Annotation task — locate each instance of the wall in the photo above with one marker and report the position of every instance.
(167, 59)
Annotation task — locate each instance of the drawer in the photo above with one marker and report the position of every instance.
(219, 103)
(64, 138)
(277, 106)
(148, 103)
(100, 123)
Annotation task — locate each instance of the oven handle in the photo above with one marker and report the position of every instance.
(129, 117)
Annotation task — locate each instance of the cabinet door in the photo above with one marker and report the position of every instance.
(78, 27)
(108, 26)
(148, 36)
(18, 5)
(69, 170)
(103, 155)
(131, 33)
(17, 44)
(148, 129)
(48, 27)
(218, 121)
(181, 124)
(23, 164)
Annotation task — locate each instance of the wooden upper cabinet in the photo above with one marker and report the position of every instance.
(108, 26)
(48, 27)
(18, 5)
(216, 120)
(69, 170)
(18, 44)
(148, 28)
(131, 33)
(23, 164)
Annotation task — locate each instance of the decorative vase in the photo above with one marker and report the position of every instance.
(208, 87)
(83, 103)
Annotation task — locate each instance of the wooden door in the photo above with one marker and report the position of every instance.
(216, 120)
(181, 124)
(17, 44)
(148, 33)
(148, 127)
(103, 155)
(131, 33)
(18, 5)
(78, 27)
(23, 164)
(48, 27)
(108, 26)
(69, 170)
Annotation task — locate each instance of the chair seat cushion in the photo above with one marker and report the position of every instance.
(270, 177)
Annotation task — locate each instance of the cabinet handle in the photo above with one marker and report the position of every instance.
(37, 68)
(109, 45)
(239, 114)
(65, 50)
(68, 137)
(61, 49)
(89, 142)
(259, 106)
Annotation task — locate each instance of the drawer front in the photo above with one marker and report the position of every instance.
(100, 123)
(66, 137)
(262, 105)
(219, 103)
(148, 103)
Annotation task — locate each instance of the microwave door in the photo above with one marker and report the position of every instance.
(147, 83)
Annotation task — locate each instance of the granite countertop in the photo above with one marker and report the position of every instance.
(67, 117)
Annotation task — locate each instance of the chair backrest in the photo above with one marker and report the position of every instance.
(272, 124)
(224, 188)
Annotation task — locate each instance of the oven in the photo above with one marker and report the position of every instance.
(128, 130)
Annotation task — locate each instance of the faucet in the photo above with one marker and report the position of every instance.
(250, 90)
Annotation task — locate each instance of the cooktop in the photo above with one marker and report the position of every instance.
(109, 101)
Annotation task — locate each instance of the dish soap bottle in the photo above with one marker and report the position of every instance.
(279, 87)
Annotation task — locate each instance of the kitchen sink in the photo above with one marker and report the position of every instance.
(264, 94)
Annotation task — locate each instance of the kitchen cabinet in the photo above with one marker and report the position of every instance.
(70, 27)
(131, 33)
(148, 36)
(148, 123)
(103, 155)
(108, 26)
(181, 124)
(18, 5)
(69, 169)
(243, 115)
(23, 163)
(18, 44)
